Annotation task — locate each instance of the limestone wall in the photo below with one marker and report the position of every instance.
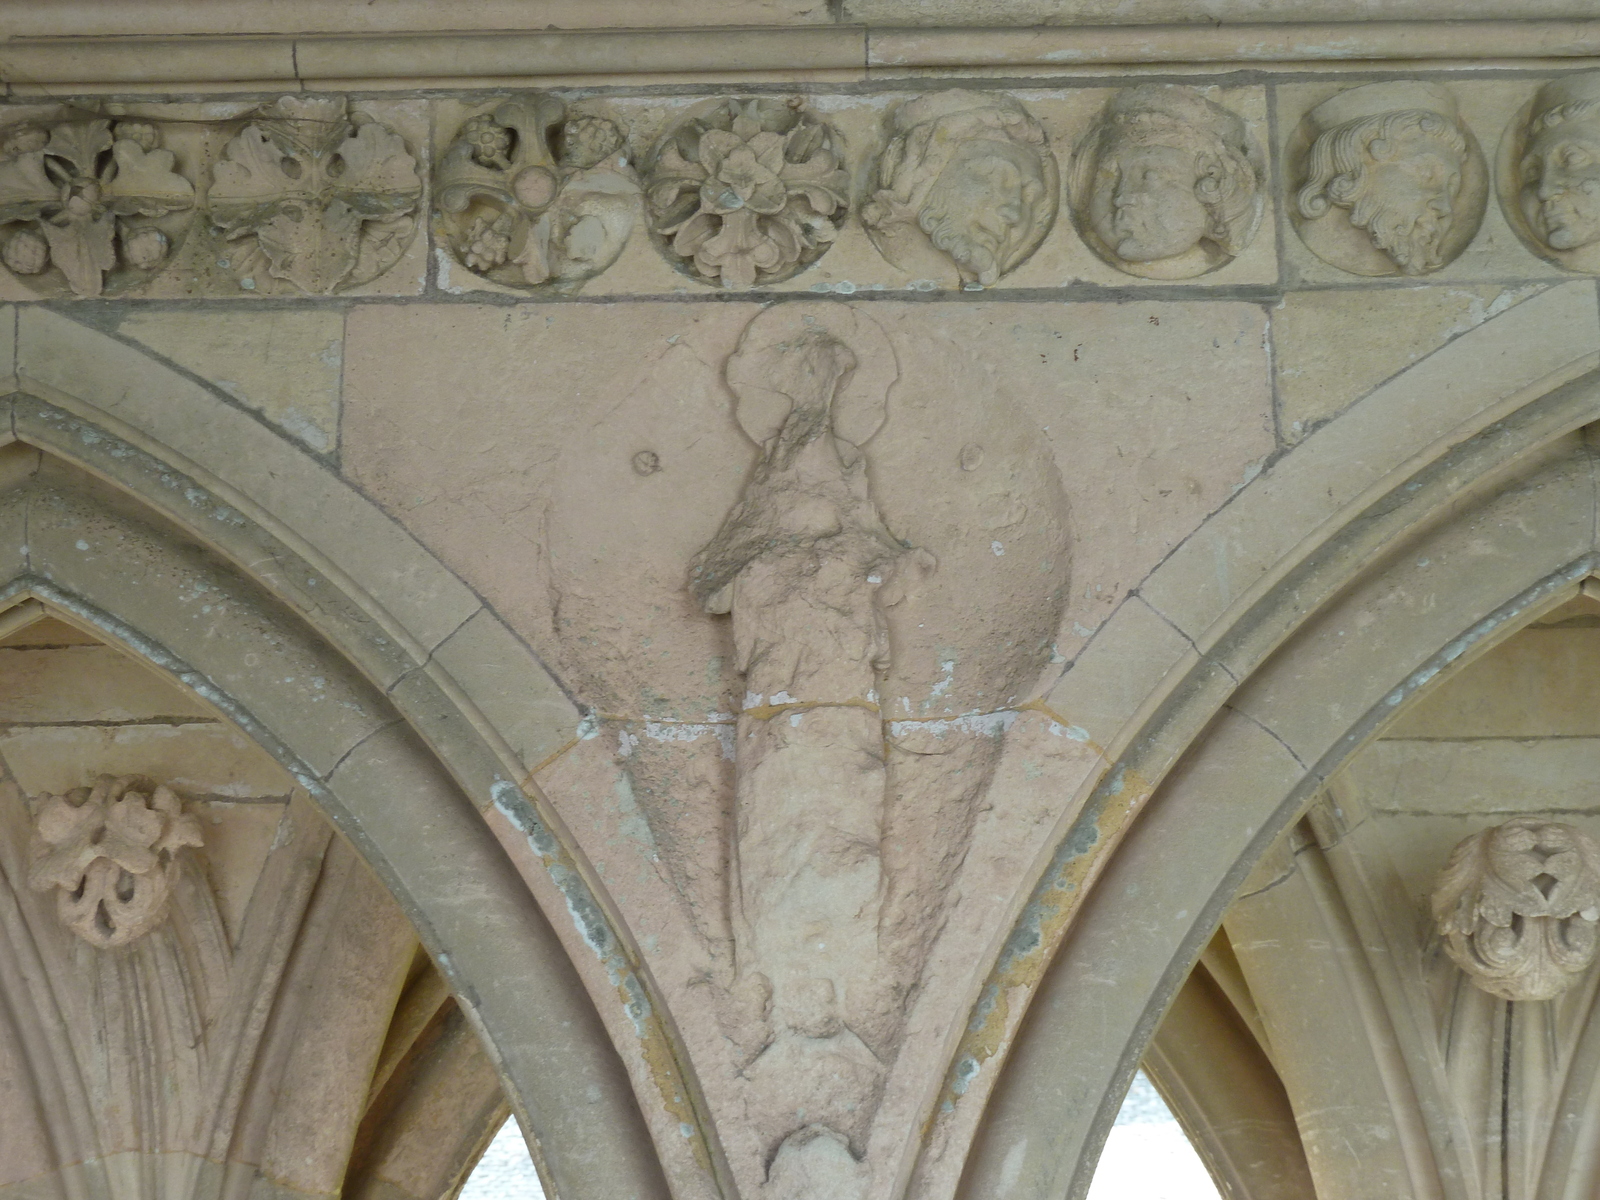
(779, 577)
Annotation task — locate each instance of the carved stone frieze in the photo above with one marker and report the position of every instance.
(807, 567)
(968, 177)
(1391, 180)
(533, 194)
(315, 194)
(110, 853)
(1167, 184)
(1549, 173)
(747, 191)
(85, 199)
(1518, 907)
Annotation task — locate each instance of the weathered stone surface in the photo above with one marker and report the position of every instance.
(284, 365)
(1316, 376)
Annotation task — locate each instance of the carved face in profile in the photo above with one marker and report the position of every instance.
(1397, 176)
(1166, 184)
(967, 178)
(1561, 177)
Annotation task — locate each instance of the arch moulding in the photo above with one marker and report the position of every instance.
(1240, 675)
(413, 747)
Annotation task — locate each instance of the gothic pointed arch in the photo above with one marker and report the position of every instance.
(1241, 675)
(187, 530)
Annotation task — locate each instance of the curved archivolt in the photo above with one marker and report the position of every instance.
(1277, 640)
(388, 741)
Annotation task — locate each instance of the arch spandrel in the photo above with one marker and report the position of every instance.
(1199, 724)
(412, 730)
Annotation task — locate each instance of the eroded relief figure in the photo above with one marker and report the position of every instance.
(806, 566)
(1393, 182)
(1167, 185)
(1554, 198)
(967, 178)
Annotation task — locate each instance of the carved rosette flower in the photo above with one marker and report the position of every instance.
(747, 191)
(315, 195)
(110, 853)
(88, 198)
(969, 176)
(1518, 907)
(530, 195)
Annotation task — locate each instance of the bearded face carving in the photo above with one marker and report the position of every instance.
(967, 180)
(1392, 181)
(1167, 185)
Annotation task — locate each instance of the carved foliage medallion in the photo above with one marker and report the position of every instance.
(747, 192)
(1518, 907)
(316, 195)
(110, 853)
(968, 175)
(533, 194)
(89, 198)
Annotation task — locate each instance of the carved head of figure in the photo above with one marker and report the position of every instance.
(1560, 166)
(1167, 184)
(969, 174)
(1392, 159)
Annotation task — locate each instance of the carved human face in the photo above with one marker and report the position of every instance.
(1561, 184)
(1407, 198)
(1143, 204)
(982, 207)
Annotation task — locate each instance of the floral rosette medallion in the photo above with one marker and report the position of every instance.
(747, 192)
(531, 195)
(84, 202)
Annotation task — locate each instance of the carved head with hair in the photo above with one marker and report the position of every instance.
(1393, 157)
(1167, 174)
(1560, 167)
(973, 173)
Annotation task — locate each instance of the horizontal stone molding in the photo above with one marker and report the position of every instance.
(175, 207)
(268, 58)
(175, 18)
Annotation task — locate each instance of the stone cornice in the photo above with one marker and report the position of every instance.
(792, 51)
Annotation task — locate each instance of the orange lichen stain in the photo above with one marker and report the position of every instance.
(765, 712)
(669, 1075)
(656, 1047)
(1040, 929)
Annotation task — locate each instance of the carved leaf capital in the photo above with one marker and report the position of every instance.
(1518, 907)
(109, 852)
